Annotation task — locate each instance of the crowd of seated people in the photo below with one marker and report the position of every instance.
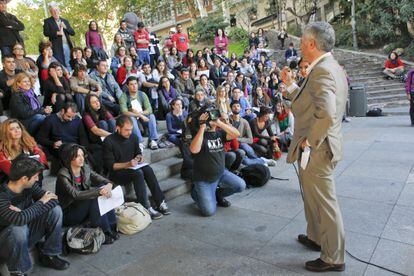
(95, 111)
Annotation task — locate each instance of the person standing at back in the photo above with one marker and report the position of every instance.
(142, 40)
(10, 27)
(181, 41)
(318, 106)
(58, 30)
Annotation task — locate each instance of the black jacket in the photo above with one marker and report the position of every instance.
(9, 36)
(20, 107)
(68, 192)
(50, 28)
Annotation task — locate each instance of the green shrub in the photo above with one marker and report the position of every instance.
(239, 37)
(205, 28)
(236, 47)
(409, 51)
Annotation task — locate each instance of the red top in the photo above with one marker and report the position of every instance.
(93, 39)
(5, 163)
(391, 65)
(90, 123)
(142, 34)
(121, 74)
(181, 41)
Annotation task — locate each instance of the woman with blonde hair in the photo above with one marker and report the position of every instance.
(222, 100)
(24, 104)
(15, 140)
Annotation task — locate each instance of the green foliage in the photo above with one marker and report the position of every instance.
(409, 51)
(240, 35)
(237, 47)
(343, 35)
(295, 30)
(205, 28)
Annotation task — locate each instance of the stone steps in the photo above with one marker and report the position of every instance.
(395, 91)
(388, 99)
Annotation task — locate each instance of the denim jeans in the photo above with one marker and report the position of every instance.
(143, 56)
(66, 53)
(175, 139)
(6, 50)
(251, 158)
(33, 123)
(204, 193)
(16, 241)
(151, 124)
(108, 125)
(80, 210)
(80, 102)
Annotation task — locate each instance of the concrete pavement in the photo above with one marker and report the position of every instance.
(257, 234)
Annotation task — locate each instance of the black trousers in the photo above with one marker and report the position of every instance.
(138, 179)
(412, 108)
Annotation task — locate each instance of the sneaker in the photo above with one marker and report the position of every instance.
(154, 213)
(346, 120)
(153, 145)
(142, 147)
(269, 162)
(163, 209)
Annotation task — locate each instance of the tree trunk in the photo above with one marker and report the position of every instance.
(202, 9)
(192, 11)
(410, 28)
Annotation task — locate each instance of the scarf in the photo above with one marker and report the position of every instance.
(283, 120)
(34, 103)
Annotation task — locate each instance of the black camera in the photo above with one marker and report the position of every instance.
(192, 123)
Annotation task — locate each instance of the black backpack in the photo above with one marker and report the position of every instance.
(255, 175)
(374, 112)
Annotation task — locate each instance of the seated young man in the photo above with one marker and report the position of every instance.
(27, 215)
(209, 170)
(136, 105)
(246, 109)
(121, 153)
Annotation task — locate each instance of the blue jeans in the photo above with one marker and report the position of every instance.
(81, 210)
(6, 50)
(33, 123)
(16, 241)
(109, 125)
(251, 158)
(152, 127)
(204, 193)
(80, 101)
(175, 139)
(111, 106)
(66, 53)
(143, 56)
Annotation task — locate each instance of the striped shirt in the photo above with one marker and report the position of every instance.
(27, 201)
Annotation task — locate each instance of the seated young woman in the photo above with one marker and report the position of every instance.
(175, 120)
(78, 188)
(15, 140)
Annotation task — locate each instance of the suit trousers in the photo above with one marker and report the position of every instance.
(324, 218)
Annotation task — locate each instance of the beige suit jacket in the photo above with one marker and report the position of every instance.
(318, 106)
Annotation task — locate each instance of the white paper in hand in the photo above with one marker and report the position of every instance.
(139, 166)
(305, 158)
(108, 204)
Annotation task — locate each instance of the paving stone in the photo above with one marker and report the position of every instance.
(367, 188)
(407, 195)
(375, 271)
(400, 226)
(394, 255)
(363, 216)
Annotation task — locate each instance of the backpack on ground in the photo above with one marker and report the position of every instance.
(374, 112)
(84, 240)
(132, 218)
(255, 175)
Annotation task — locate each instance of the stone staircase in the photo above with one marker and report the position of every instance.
(166, 164)
(362, 68)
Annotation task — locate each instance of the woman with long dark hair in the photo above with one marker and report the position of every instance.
(76, 57)
(166, 93)
(56, 88)
(265, 145)
(284, 124)
(126, 70)
(78, 188)
(188, 58)
(95, 40)
(221, 42)
(175, 120)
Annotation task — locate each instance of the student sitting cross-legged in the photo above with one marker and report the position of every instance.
(27, 215)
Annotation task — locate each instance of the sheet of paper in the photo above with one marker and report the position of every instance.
(140, 165)
(108, 204)
(305, 158)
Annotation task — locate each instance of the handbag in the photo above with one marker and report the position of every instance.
(132, 218)
(84, 240)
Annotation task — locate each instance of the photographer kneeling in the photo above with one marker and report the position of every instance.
(212, 182)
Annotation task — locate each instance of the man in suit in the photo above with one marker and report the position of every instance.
(59, 31)
(318, 106)
(10, 27)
